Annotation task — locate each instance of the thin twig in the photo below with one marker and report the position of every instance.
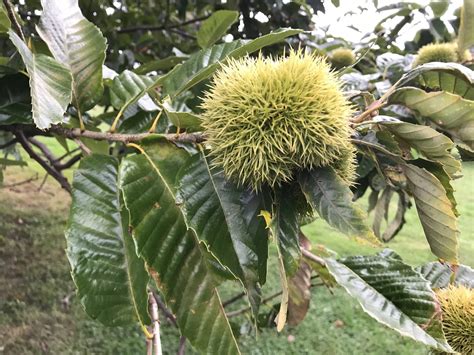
(370, 110)
(182, 345)
(52, 159)
(42, 147)
(66, 154)
(9, 143)
(161, 28)
(197, 137)
(170, 316)
(247, 309)
(233, 299)
(6, 186)
(69, 163)
(183, 34)
(84, 148)
(307, 254)
(156, 324)
(50, 169)
(43, 182)
(13, 19)
(310, 256)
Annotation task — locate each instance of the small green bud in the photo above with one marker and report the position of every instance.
(342, 57)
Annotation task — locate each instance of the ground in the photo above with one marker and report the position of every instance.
(39, 312)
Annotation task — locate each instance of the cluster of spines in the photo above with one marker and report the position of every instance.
(457, 305)
(342, 57)
(266, 118)
(440, 52)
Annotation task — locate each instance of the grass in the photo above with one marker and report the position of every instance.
(40, 314)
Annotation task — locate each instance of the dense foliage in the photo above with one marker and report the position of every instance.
(186, 175)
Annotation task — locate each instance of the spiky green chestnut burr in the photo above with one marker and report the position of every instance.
(342, 57)
(266, 119)
(440, 52)
(457, 305)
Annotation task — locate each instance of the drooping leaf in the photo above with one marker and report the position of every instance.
(284, 227)
(439, 172)
(202, 64)
(282, 315)
(285, 224)
(78, 45)
(216, 211)
(441, 275)
(50, 85)
(4, 20)
(450, 77)
(435, 211)
(110, 278)
(381, 212)
(432, 144)
(394, 294)
(332, 199)
(466, 28)
(300, 288)
(213, 28)
(176, 261)
(181, 115)
(449, 112)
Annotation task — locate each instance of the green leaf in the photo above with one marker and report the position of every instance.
(286, 230)
(172, 252)
(466, 28)
(450, 77)
(50, 85)
(439, 7)
(204, 63)
(4, 20)
(181, 115)
(441, 275)
(216, 210)
(449, 112)
(440, 173)
(436, 212)
(432, 144)
(127, 88)
(213, 28)
(110, 278)
(77, 44)
(15, 100)
(332, 199)
(394, 294)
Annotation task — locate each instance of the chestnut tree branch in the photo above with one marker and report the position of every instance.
(162, 27)
(72, 133)
(13, 19)
(49, 169)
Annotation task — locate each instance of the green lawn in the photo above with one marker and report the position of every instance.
(35, 281)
